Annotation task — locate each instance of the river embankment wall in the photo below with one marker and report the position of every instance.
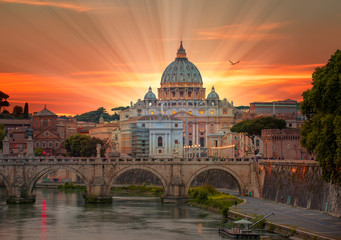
(300, 184)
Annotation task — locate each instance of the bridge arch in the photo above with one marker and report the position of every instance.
(149, 169)
(225, 169)
(50, 169)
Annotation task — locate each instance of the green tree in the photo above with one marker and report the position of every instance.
(17, 110)
(254, 127)
(84, 146)
(3, 101)
(26, 110)
(321, 133)
(94, 116)
(38, 152)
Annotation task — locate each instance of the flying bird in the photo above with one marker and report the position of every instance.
(233, 63)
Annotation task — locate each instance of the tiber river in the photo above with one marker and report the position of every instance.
(59, 215)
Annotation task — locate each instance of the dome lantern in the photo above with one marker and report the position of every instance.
(181, 52)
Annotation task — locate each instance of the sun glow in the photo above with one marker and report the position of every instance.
(79, 56)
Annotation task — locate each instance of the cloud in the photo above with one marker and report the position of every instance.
(242, 31)
(58, 4)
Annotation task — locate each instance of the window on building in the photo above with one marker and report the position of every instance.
(143, 150)
(159, 142)
(160, 151)
(143, 143)
(143, 125)
(176, 141)
(139, 112)
(43, 144)
(257, 143)
(202, 142)
(152, 112)
(50, 145)
(190, 143)
(215, 142)
(37, 144)
(45, 123)
(190, 112)
(173, 112)
(181, 94)
(189, 94)
(56, 144)
(176, 125)
(47, 134)
(224, 112)
(212, 112)
(202, 111)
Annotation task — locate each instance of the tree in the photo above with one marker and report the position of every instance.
(94, 116)
(3, 101)
(17, 110)
(254, 127)
(321, 133)
(84, 146)
(26, 110)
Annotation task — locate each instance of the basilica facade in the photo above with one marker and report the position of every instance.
(182, 96)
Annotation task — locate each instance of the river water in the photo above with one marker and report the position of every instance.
(59, 215)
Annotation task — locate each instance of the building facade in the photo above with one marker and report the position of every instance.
(45, 132)
(284, 144)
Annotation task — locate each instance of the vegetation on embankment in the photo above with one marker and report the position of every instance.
(133, 190)
(71, 187)
(208, 197)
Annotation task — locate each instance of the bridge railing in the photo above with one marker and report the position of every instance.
(118, 160)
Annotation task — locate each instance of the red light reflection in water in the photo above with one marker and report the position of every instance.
(43, 220)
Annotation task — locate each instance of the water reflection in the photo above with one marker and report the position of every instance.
(58, 215)
(43, 220)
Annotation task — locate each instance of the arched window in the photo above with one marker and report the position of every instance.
(159, 142)
(45, 123)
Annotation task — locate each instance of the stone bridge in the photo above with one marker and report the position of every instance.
(20, 174)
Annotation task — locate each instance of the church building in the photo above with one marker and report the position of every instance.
(182, 97)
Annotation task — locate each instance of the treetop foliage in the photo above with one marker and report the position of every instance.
(84, 146)
(3, 101)
(121, 108)
(94, 116)
(321, 134)
(254, 127)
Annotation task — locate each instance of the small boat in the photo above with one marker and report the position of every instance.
(242, 229)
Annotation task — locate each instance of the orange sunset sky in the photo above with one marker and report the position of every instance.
(76, 56)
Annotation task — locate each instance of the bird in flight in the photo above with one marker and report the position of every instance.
(233, 63)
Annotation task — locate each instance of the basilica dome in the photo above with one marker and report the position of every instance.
(181, 70)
